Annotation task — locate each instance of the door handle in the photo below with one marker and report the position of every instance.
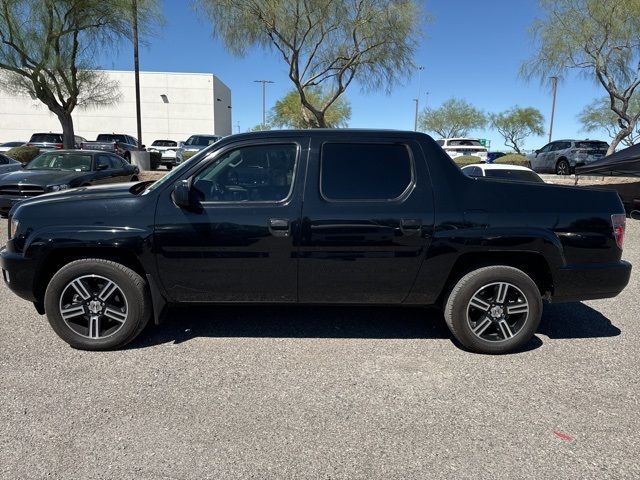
(410, 226)
(279, 227)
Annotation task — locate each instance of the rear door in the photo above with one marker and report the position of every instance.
(366, 223)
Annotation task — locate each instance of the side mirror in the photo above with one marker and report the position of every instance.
(142, 147)
(182, 195)
(180, 144)
(537, 152)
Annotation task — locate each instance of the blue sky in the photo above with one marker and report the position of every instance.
(471, 49)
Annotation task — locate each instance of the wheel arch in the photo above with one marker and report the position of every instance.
(535, 265)
(58, 258)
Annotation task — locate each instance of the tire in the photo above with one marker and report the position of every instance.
(169, 167)
(79, 301)
(485, 323)
(563, 167)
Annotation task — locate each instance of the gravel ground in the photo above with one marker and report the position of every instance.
(324, 393)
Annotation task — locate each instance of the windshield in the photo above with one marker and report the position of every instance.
(176, 172)
(201, 140)
(74, 162)
(164, 143)
(516, 175)
(46, 138)
(107, 137)
(464, 142)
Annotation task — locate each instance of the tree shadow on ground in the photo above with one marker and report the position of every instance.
(574, 320)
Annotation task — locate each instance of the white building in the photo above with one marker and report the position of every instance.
(173, 106)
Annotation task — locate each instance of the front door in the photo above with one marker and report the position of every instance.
(367, 221)
(240, 246)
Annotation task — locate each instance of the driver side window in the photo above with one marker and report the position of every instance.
(256, 173)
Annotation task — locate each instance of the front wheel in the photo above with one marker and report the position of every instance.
(96, 304)
(494, 309)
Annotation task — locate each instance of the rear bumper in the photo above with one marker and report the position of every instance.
(588, 282)
(18, 273)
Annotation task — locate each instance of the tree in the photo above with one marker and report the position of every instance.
(516, 124)
(598, 38)
(328, 43)
(289, 111)
(454, 118)
(598, 116)
(47, 49)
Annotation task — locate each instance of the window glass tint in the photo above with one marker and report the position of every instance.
(61, 161)
(46, 137)
(115, 162)
(364, 171)
(593, 145)
(103, 163)
(107, 137)
(464, 142)
(259, 173)
(164, 143)
(517, 175)
(201, 140)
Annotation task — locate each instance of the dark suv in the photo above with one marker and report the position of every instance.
(51, 141)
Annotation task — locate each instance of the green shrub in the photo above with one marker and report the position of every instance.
(466, 160)
(513, 159)
(23, 154)
(187, 155)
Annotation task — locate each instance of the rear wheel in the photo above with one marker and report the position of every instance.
(494, 309)
(169, 167)
(96, 304)
(563, 167)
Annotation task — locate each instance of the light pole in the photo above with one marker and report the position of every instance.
(136, 67)
(554, 88)
(417, 99)
(264, 106)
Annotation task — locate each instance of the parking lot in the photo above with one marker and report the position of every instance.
(255, 392)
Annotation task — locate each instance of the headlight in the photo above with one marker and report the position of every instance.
(56, 188)
(13, 228)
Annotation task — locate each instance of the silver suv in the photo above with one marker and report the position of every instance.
(563, 156)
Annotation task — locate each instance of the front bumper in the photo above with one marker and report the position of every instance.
(18, 273)
(588, 282)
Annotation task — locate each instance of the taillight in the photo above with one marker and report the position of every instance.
(59, 146)
(618, 221)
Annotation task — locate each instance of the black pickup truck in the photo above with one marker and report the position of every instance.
(315, 217)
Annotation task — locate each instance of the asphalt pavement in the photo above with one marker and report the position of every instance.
(324, 393)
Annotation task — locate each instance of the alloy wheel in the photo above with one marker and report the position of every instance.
(93, 307)
(497, 312)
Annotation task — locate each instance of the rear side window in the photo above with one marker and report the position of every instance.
(352, 171)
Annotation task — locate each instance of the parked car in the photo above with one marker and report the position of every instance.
(62, 170)
(8, 164)
(458, 147)
(563, 156)
(493, 156)
(117, 143)
(51, 141)
(5, 147)
(167, 148)
(194, 144)
(502, 172)
(315, 217)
